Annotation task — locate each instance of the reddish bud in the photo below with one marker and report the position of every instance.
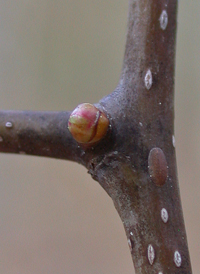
(88, 124)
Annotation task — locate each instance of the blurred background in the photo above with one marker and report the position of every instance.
(53, 55)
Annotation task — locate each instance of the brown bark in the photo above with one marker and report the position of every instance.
(135, 163)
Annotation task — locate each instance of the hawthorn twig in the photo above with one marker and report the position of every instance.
(135, 162)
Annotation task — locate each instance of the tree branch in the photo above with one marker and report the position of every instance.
(135, 162)
(38, 133)
(140, 175)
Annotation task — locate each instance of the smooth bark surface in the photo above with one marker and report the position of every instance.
(38, 133)
(135, 163)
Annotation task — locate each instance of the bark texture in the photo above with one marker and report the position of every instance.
(135, 163)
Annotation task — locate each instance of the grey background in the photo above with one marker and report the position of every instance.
(53, 55)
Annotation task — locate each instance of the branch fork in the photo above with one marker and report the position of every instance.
(126, 141)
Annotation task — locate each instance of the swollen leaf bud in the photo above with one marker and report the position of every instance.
(87, 124)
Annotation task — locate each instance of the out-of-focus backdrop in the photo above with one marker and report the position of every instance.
(53, 55)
